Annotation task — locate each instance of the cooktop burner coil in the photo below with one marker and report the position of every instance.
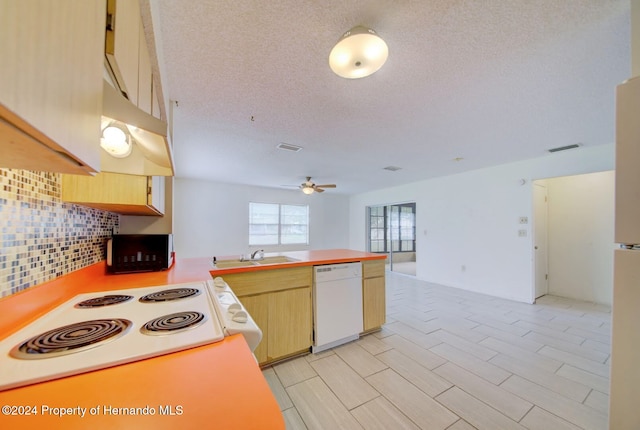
(173, 323)
(108, 300)
(169, 295)
(71, 338)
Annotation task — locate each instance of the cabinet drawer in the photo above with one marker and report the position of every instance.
(372, 268)
(248, 283)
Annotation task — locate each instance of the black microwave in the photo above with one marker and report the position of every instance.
(130, 253)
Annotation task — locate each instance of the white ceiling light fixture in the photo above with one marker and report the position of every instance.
(116, 140)
(360, 52)
(307, 189)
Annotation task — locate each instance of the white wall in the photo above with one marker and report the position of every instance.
(580, 232)
(471, 219)
(211, 218)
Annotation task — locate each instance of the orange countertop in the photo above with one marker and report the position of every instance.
(212, 386)
(302, 258)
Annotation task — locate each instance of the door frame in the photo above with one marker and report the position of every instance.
(386, 206)
(540, 249)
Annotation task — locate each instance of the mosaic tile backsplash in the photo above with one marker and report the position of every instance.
(42, 238)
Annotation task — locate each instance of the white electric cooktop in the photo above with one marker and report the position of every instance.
(97, 330)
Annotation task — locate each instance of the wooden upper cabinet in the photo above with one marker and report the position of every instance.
(128, 54)
(145, 77)
(155, 103)
(116, 192)
(122, 45)
(51, 84)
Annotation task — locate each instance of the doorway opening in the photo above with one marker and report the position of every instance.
(540, 239)
(573, 233)
(392, 231)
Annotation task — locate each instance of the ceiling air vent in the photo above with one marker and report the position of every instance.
(564, 148)
(288, 147)
(392, 168)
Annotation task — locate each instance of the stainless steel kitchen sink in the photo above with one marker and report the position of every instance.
(226, 264)
(276, 259)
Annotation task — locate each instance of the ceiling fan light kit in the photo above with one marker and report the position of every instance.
(309, 187)
(360, 52)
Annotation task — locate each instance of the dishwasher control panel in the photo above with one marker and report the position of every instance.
(332, 272)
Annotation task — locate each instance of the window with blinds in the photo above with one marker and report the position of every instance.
(278, 224)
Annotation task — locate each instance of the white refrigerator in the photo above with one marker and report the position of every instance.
(624, 398)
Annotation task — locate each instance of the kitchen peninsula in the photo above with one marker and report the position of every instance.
(217, 384)
(277, 292)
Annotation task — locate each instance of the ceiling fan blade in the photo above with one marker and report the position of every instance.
(327, 186)
(319, 190)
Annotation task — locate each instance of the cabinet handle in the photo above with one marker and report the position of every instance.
(149, 189)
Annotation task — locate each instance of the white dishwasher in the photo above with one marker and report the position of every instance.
(337, 298)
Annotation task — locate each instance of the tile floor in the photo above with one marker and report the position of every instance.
(406, 267)
(451, 359)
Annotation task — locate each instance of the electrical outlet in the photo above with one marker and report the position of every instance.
(524, 220)
(522, 233)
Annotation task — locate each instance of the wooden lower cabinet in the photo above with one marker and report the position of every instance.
(373, 295)
(289, 323)
(258, 308)
(285, 320)
(373, 303)
(279, 301)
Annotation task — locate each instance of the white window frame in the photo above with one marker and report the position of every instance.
(280, 234)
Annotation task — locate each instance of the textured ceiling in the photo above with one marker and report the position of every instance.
(490, 81)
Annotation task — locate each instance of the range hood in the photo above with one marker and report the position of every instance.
(151, 154)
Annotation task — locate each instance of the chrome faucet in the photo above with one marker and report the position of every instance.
(253, 255)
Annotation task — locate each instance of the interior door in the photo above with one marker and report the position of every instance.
(540, 255)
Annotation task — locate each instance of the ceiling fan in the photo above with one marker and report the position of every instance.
(309, 187)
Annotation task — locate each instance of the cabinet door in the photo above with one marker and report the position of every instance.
(156, 198)
(145, 86)
(114, 192)
(258, 308)
(373, 303)
(155, 101)
(289, 328)
(105, 188)
(51, 71)
(122, 44)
